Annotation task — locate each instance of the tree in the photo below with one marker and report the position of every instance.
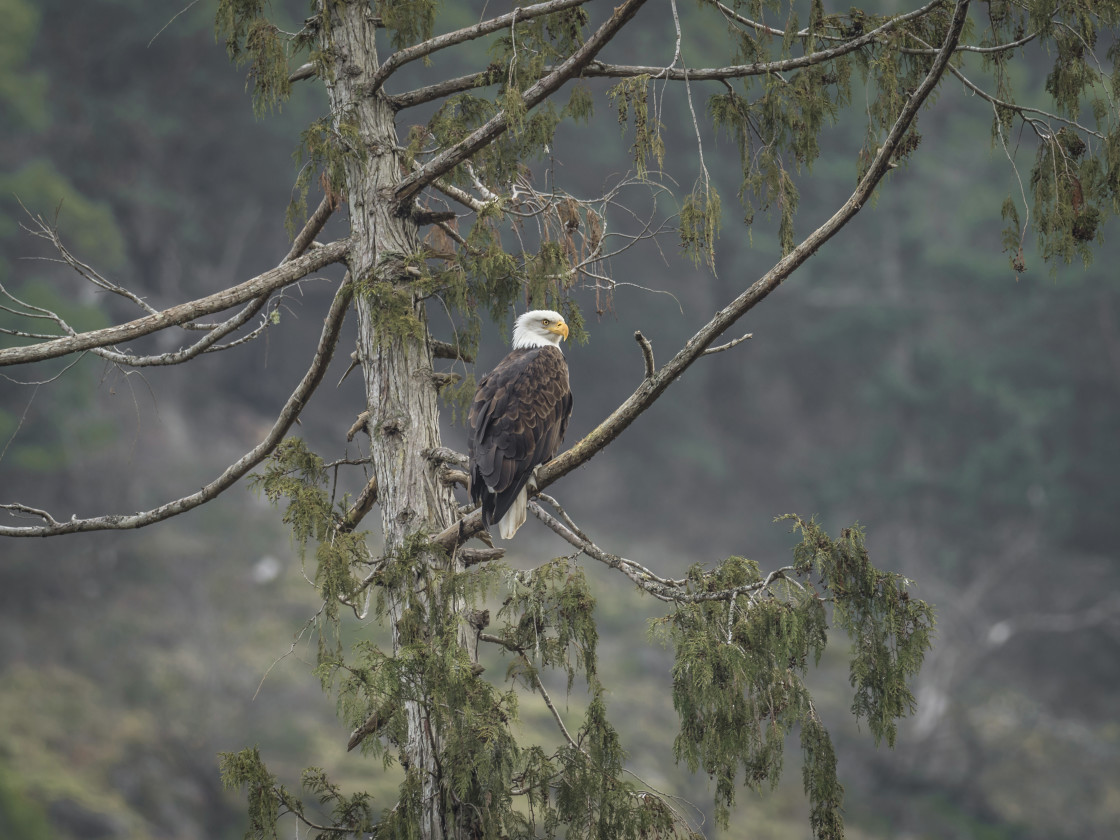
(743, 637)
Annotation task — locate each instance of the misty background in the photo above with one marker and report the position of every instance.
(905, 377)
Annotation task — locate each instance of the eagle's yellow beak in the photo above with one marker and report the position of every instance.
(559, 328)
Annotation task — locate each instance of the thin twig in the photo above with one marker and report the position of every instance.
(728, 345)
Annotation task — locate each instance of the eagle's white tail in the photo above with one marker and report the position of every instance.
(514, 517)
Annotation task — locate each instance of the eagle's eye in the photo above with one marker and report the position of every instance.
(545, 321)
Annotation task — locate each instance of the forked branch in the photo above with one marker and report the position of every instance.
(263, 284)
(214, 332)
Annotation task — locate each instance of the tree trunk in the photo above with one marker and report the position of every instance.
(401, 394)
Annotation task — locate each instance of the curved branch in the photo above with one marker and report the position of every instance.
(209, 342)
(270, 281)
(288, 414)
(653, 387)
(468, 33)
(448, 159)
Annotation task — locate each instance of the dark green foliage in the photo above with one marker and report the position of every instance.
(269, 800)
(296, 475)
(890, 631)
(744, 644)
(549, 615)
(323, 151)
(700, 223)
(818, 775)
(254, 40)
(1073, 183)
(246, 768)
(592, 798)
(631, 97)
(409, 21)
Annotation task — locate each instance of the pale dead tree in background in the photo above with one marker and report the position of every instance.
(742, 637)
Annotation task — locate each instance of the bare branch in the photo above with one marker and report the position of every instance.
(304, 71)
(728, 345)
(647, 353)
(474, 556)
(447, 87)
(207, 343)
(216, 332)
(469, 33)
(1039, 126)
(262, 284)
(31, 511)
(670, 590)
(496, 125)
(443, 455)
(288, 414)
(314, 225)
(48, 232)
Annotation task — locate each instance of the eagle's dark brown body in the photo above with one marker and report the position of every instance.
(518, 419)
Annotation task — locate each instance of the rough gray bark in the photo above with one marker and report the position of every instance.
(401, 394)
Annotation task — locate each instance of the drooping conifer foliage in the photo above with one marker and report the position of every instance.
(455, 205)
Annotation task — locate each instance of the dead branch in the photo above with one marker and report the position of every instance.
(357, 425)
(262, 284)
(647, 353)
(670, 590)
(443, 455)
(376, 720)
(216, 332)
(728, 345)
(328, 340)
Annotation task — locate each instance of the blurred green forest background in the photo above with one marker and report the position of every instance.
(906, 377)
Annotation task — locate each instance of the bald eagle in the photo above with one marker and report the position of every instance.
(518, 418)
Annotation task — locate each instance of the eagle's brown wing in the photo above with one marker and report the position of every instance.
(518, 419)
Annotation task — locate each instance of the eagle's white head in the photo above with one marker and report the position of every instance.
(539, 328)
